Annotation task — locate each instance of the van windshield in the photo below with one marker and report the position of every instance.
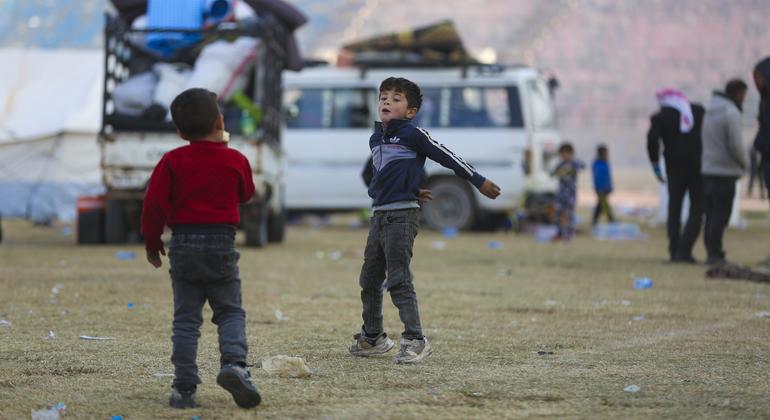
(442, 107)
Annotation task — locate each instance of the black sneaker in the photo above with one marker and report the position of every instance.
(182, 397)
(237, 381)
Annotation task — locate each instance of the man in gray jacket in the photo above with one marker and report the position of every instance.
(724, 161)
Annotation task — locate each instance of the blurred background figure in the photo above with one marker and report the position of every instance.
(724, 161)
(762, 140)
(566, 172)
(678, 125)
(602, 184)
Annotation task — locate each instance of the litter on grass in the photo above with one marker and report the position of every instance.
(279, 315)
(51, 412)
(55, 293)
(125, 255)
(618, 232)
(5, 323)
(495, 245)
(763, 314)
(641, 283)
(51, 336)
(438, 245)
(163, 375)
(449, 232)
(632, 389)
(638, 318)
(96, 338)
(544, 353)
(282, 365)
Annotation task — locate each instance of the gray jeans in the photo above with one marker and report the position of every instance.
(204, 266)
(388, 253)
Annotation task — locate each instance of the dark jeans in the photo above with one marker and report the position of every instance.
(718, 195)
(388, 253)
(603, 207)
(681, 182)
(204, 266)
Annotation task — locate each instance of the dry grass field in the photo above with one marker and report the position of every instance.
(700, 351)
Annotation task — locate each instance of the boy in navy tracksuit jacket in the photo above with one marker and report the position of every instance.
(399, 150)
(602, 184)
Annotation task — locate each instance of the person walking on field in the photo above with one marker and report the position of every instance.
(602, 184)
(724, 161)
(678, 125)
(762, 140)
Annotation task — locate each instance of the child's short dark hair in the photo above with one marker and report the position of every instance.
(194, 112)
(601, 149)
(566, 147)
(405, 86)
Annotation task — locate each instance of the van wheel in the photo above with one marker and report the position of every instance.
(115, 230)
(276, 226)
(254, 224)
(452, 206)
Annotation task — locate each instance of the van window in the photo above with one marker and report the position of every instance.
(329, 108)
(543, 113)
(430, 111)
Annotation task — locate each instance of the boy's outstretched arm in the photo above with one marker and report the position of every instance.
(443, 156)
(155, 212)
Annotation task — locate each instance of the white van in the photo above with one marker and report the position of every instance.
(493, 117)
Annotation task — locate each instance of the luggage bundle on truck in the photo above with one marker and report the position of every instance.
(238, 53)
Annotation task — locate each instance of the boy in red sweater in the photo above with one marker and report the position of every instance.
(196, 189)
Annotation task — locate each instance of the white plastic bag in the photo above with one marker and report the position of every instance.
(172, 79)
(282, 365)
(135, 95)
(223, 67)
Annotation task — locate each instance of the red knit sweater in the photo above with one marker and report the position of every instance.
(201, 183)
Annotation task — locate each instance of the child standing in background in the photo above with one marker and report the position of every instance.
(602, 184)
(566, 171)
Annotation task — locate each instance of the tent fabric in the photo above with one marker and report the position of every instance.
(49, 122)
(41, 179)
(36, 102)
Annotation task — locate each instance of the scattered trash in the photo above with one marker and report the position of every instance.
(320, 255)
(130, 305)
(763, 314)
(618, 232)
(335, 255)
(616, 302)
(438, 245)
(5, 323)
(545, 353)
(55, 293)
(551, 302)
(632, 389)
(546, 233)
(66, 231)
(293, 367)
(625, 302)
(95, 338)
(116, 418)
(163, 375)
(630, 210)
(279, 315)
(51, 336)
(495, 245)
(505, 273)
(125, 255)
(449, 232)
(195, 418)
(638, 318)
(51, 412)
(642, 283)
(736, 272)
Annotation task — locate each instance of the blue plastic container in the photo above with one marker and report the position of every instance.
(173, 14)
(642, 283)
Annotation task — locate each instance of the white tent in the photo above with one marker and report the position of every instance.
(50, 112)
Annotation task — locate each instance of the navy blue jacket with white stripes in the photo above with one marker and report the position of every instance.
(398, 156)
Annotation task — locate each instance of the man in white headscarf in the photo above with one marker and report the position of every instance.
(678, 125)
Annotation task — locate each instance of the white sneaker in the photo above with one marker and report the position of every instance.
(365, 346)
(413, 351)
